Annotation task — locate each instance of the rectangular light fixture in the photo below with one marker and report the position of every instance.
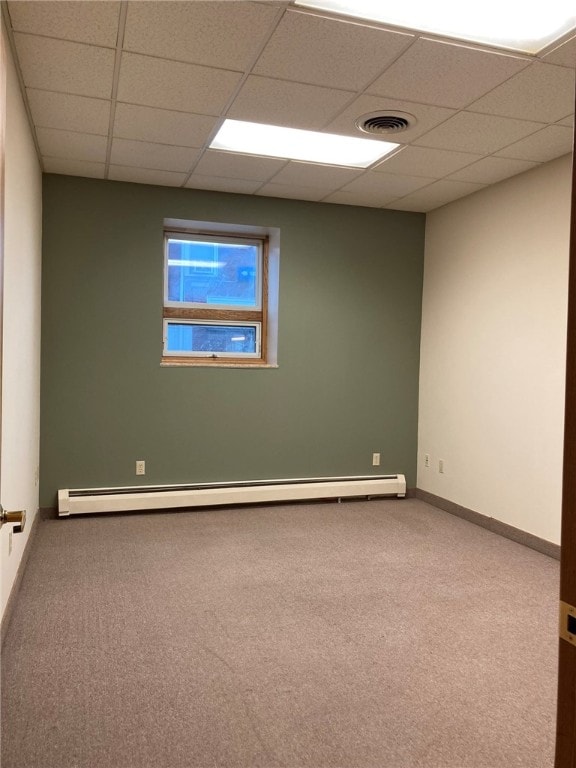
(527, 27)
(296, 144)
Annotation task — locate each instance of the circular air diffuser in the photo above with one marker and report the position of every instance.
(385, 122)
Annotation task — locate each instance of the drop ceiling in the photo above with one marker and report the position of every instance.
(135, 91)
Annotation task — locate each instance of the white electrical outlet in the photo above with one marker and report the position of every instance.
(10, 534)
(140, 467)
(426, 459)
(375, 459)
(441, 466)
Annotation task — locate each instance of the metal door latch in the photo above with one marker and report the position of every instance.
(17, 519)
(567, 622)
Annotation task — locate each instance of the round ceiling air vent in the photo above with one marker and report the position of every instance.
(381, 123)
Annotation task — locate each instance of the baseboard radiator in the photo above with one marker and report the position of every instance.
(82, 501)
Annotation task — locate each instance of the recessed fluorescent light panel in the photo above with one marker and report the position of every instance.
(527, 27)
(295, 144)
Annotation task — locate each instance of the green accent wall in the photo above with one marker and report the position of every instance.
(348, 344)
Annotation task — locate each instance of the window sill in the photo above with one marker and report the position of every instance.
(203, 363)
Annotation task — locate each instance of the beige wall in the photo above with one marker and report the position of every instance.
(493, 349)
(21, 340)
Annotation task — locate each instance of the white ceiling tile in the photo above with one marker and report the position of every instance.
(386, 186)
(480, 134)
(75, 113)
(293, 192)
(219, 184)
(427, 117)
(72, 146)
(145, 176)
(160, 157)
(229, 165)
(543, 91)
(58, 65)
(445, 74)
(217, 34)
(490, 170)
(405, 204)
(74, 167)
(325, 177)
(279, 102)
(552, 141)
(321, 51)
(366, 199)
(94, 23)
(423, 161)
(162, 126)
(171, 85)
(437, 194)
(564, 54)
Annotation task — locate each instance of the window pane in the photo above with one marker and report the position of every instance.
(212, 273)
(203, 338)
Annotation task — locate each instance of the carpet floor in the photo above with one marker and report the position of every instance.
(380, 634)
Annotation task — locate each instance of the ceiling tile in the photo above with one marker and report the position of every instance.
(279, 102)
(58, 65)
(552, 141)
(311, 49)
(72, 146)
(386, 186)
(171, 85)
(162, 126)
(291, 191)
(160, 157)
(367, 199)
(445, 74)
(217, 34)
(219, 184)
(437, 194)
(564, 54)
(427, 117)
(74, 167)
(489, 170)
(94, 23)
(480, 134)
(146, 176)
(325, 177)
(543, 91)
(423, 161)
(75, 113)
(229, 165)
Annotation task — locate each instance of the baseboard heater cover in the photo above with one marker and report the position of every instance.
(82, 501)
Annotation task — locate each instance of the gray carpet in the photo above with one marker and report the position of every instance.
(381, 634)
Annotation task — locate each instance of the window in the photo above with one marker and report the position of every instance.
(216, 298)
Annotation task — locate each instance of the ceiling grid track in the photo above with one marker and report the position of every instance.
(7, 21)
(115, 79)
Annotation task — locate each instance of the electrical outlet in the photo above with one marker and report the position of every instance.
(441, 466)
(140, 467)
(10, 534)
(426, 459)
(375, 459)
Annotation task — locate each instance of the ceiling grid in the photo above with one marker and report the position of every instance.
(136, 92)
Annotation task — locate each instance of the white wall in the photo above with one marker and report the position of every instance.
(493, 349)
(21, 326)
